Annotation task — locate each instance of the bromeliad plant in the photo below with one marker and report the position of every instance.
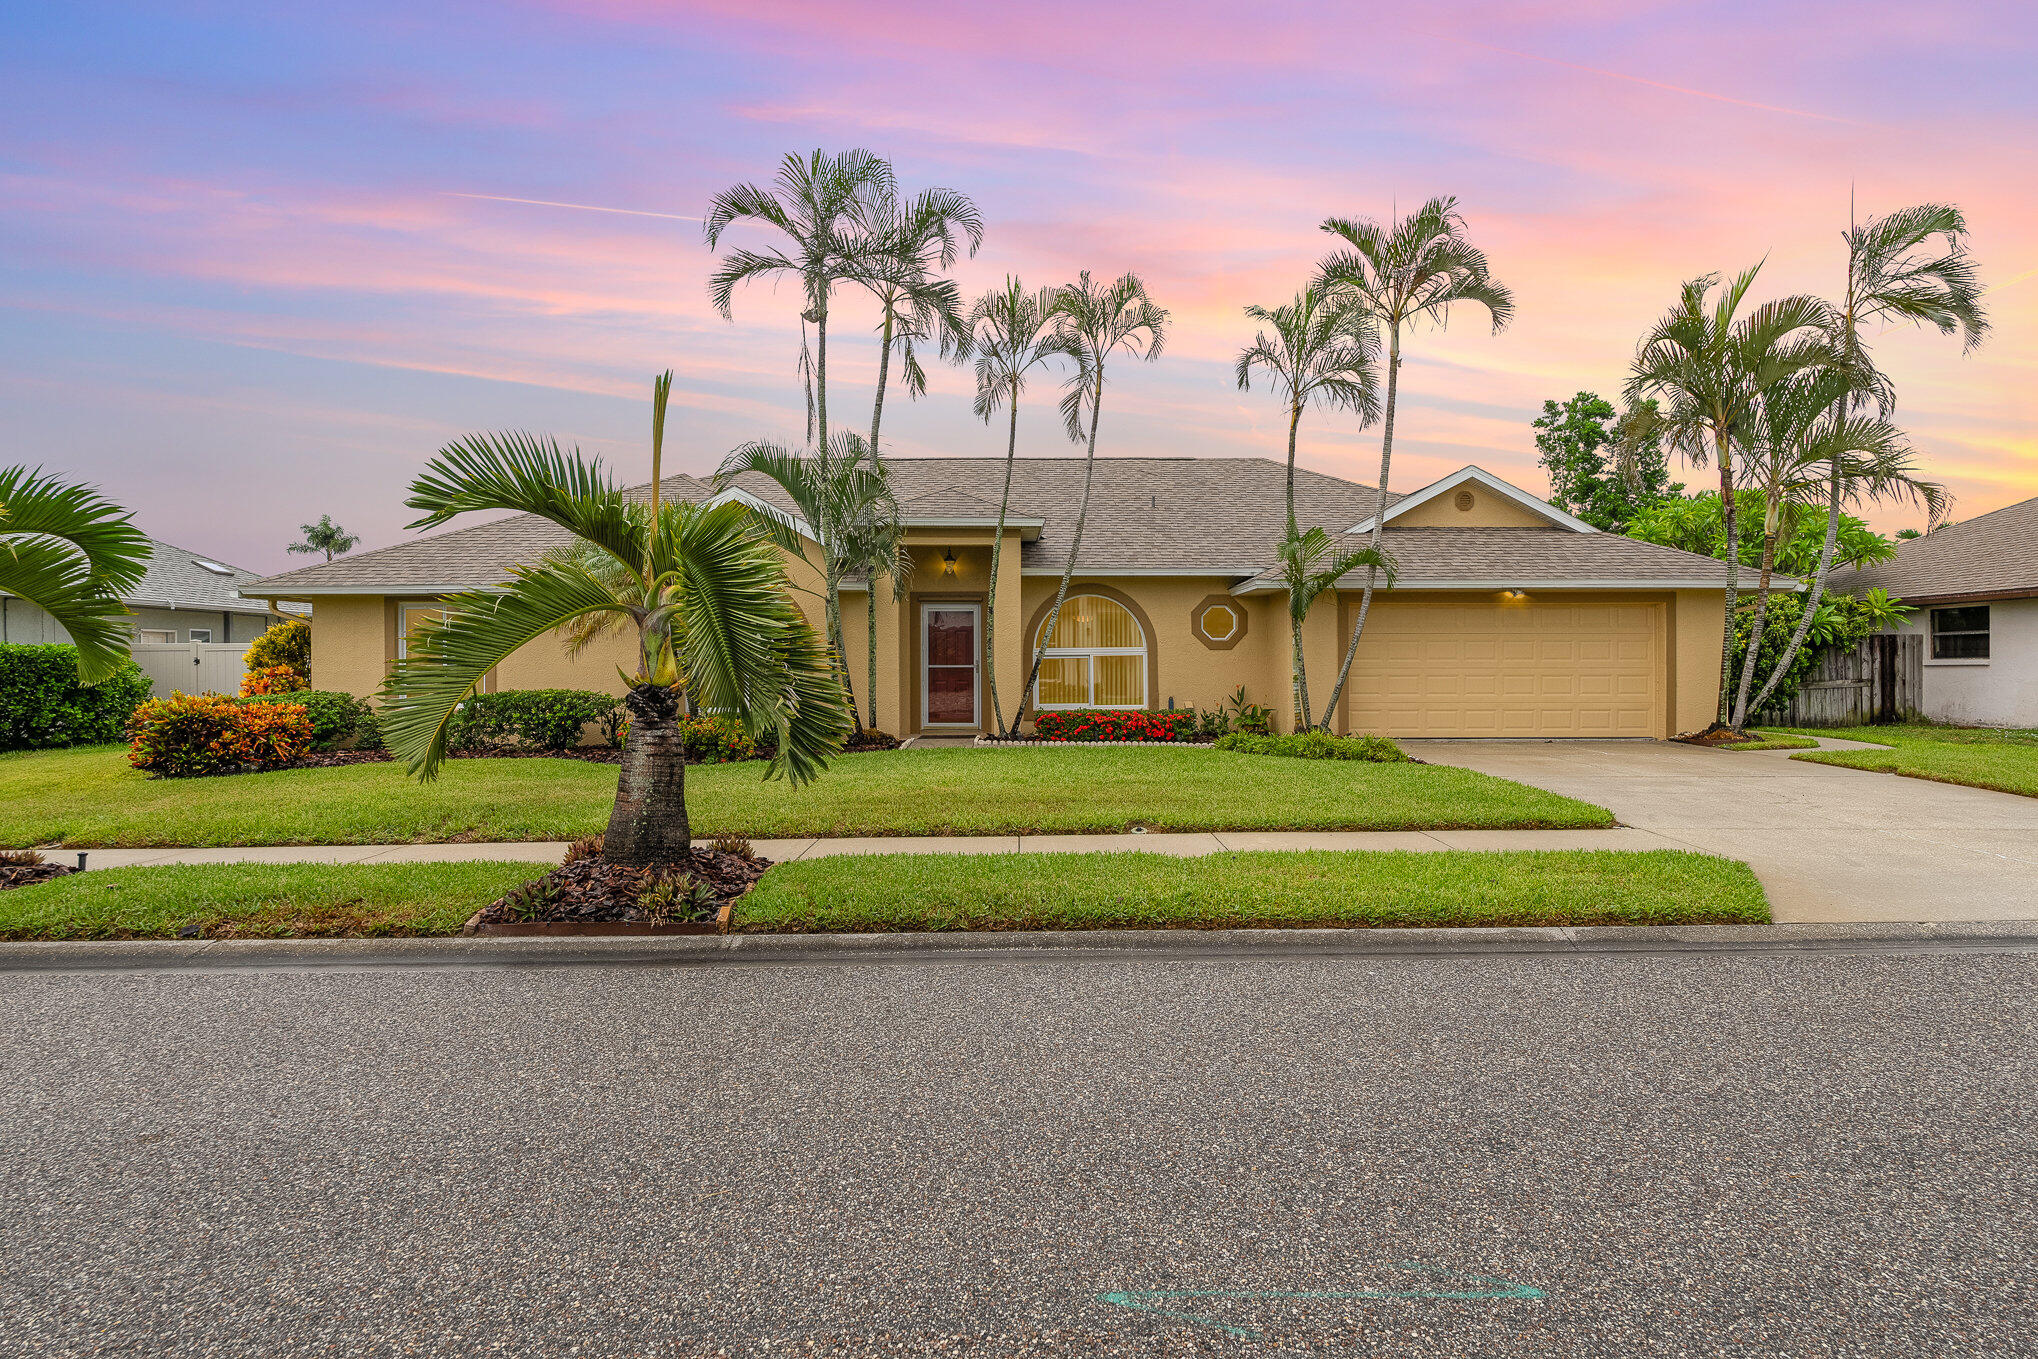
(702, 589)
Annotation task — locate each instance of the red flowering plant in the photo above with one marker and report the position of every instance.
(1114, 724)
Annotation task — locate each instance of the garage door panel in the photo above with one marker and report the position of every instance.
(1484, 668)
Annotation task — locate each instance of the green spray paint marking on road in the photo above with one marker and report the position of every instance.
(1145, 1300)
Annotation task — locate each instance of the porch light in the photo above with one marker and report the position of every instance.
(1514, 596)
(948, 562)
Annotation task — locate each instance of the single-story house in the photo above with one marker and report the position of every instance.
(1510, 617)
(185, 596)
(1975, 586)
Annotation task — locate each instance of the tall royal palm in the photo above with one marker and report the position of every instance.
(1093, 321)
(1414, 269)
(1710, 368)
(814, 205)
(903, 248)
(841, 494)
(1805, 439)
(1012, 332)
(1911, 265)
(1323, 349)
(73, 553)
(703, 591)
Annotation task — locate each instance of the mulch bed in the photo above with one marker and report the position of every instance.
(857, 744)
(27, 875)
(592, 890)
(1718, 734)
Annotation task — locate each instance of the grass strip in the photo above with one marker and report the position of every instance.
(89, 797)
(2004, 760)
(1773, 743)
(258, 901)
(1282, 889)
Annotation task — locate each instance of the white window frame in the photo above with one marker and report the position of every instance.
(1933, 633)
(195, 636)
(403, 613)
(928, 608)
(156, 636)
(1088, 655)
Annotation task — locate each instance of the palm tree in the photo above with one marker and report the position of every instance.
(1012, 332)
(815, 205)
(324, 536)
(1093, 321)
(875, 545)
(72, 553)
(1911, 265)
(1414, 269)
(704, 592)
(1711, 368)
(1804, 438)
(903, 246)
(838, 494)
(1307, 574)
(1323, 349)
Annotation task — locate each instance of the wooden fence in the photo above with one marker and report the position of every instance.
(1880, 680)
(191, 667)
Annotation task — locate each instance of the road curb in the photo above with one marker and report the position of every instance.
(1014, 946)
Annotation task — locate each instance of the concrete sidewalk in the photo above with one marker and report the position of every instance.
(820, 847)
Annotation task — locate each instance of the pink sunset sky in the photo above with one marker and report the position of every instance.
(260, 263)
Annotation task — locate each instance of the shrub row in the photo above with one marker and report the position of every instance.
(1315, 745)
(335, 717)
(1114, 724)
(42, 704)
(533, 719)
(187, 735)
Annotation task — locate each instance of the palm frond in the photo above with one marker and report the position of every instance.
(36, 502)
(531, 475)
(57, 578)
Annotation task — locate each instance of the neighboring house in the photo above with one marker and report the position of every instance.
(1511, 618)
(185, 597)
(1975, 586)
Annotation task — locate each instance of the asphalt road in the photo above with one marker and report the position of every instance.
(1600, 1155)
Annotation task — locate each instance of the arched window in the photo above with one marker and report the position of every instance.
(1095, 659)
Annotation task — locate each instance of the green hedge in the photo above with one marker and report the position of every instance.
(532, 719)
(43, 705)
(1316, 745)
(335, 717)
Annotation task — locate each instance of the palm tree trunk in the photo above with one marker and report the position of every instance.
(1061, 591)
(877, 415)
(1730, 519)
(991, 596)
(1755, 630)
(1294, 420)
(835, 641)
(884, 365)
(1813, 593)
(649, 823)
(870, 645)
(1379, 520)
(1301, 677)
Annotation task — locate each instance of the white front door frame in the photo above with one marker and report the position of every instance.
(976, 613)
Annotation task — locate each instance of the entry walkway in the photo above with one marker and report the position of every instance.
(820, 847)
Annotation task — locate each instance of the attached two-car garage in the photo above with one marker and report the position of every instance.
(1498, 667)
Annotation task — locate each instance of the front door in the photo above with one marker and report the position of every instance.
(948, 644)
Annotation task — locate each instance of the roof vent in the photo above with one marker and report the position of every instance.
(214, 567)
(1463, 500)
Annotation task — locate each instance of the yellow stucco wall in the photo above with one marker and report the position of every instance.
(1487, 511)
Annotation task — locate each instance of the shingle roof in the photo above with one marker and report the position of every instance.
(1992, 556)
(1220, 516)
(1436, 557)
(178, 578)
(949, 503)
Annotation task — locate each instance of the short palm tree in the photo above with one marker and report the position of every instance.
(72, 553)
(324, 536)
(1012, 333)
(1414, 269)
(1093, 321)
(1911, 265)
(904, 247)
(1323, 349)
(704, 592)
(875, 546)
(1710, 368)
(1308, 567)
(814, 204)
(1805, 438)
(839, 494)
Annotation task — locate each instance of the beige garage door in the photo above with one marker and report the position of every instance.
(1493, 668)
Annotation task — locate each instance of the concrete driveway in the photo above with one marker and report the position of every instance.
(1828, 843)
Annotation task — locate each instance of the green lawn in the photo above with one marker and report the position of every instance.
(89, 797)
(937, 892)
(1262, 888)
(258, 901)
(1981, 757)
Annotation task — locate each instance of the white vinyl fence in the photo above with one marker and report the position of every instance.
(191, 667)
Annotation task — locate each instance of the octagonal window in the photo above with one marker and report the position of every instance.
(1219, 622)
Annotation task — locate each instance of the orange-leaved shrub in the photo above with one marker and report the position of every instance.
(186, 735)
(272, 679)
